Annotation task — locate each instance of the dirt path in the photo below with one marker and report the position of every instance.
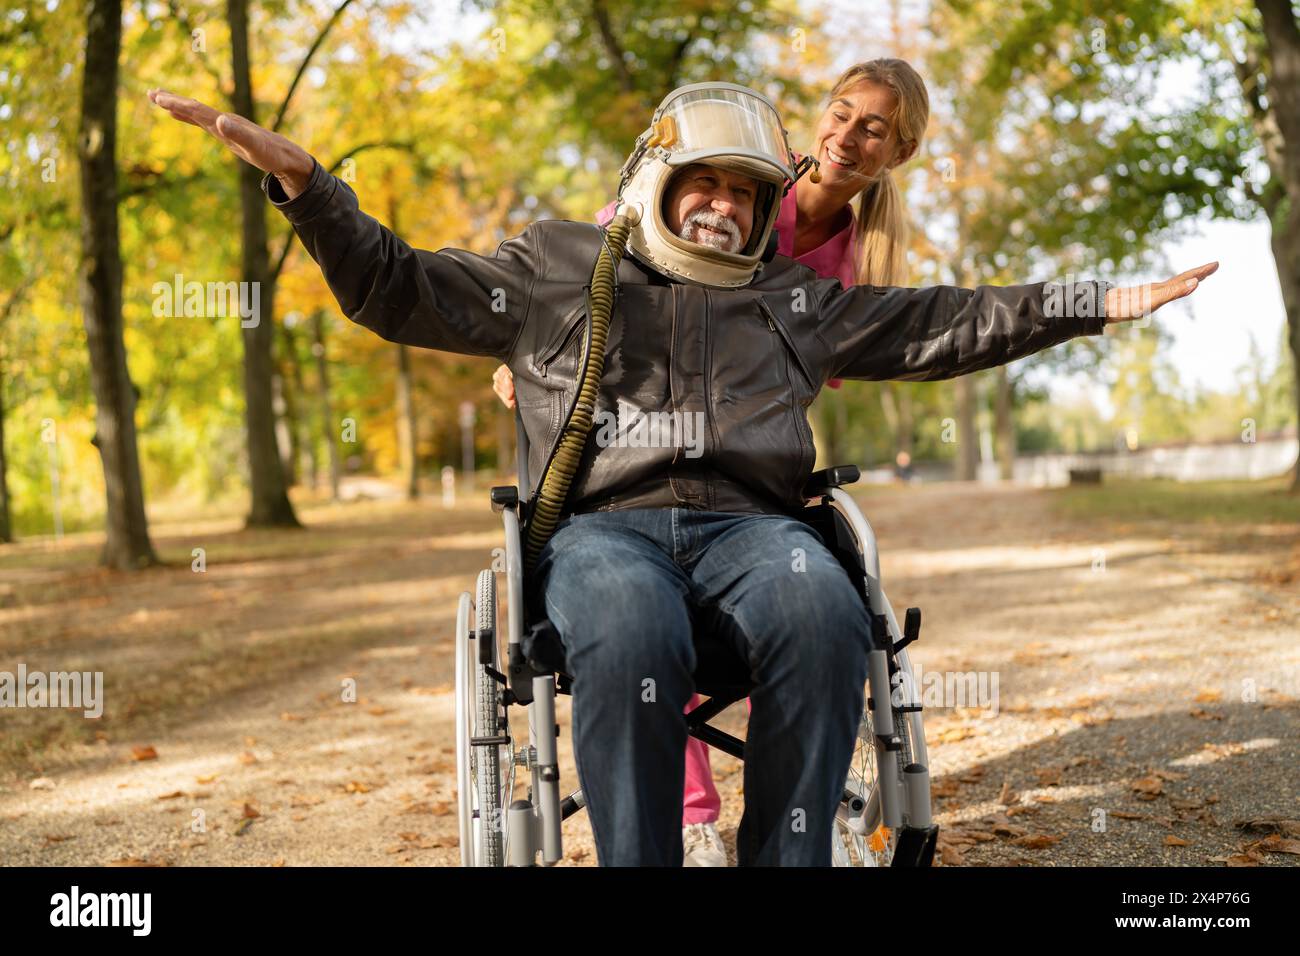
(1121, 655)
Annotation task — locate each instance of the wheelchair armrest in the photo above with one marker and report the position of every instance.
(504, 496)
(821, 482)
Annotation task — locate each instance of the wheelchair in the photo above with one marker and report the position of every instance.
(884, 815)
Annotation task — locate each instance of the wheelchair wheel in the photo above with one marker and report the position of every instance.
(864, 840)
(479, 713)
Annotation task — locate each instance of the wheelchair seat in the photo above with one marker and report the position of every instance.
(719, 671)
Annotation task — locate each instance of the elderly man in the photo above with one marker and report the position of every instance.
(711, 328)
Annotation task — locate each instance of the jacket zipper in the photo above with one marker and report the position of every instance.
(792, 355)
(569, 334)
(672, 350)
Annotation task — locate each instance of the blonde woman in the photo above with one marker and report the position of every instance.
(875, 119)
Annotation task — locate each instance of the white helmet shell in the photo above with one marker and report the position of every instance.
(718, 124)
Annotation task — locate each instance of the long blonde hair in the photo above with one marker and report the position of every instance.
(881, 231)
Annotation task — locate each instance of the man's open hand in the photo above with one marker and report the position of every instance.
(269, 152)
(1135, 302)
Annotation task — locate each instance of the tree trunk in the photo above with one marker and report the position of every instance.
(326, 410)
(270, 498)
(842, 431)
(1005, 427)
(906, 419)
(1286, 258)
(285, 426)
(505, 420)
(1282, 37)
(6, 529)
(290, 375)
(302, 424)
(407, 427)
(968, 439)
(127, 542)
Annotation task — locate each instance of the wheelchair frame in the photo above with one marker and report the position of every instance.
(891, 739)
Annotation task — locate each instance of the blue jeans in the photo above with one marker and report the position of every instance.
(629, 593)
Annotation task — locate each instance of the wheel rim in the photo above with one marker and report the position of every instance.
(464, 788)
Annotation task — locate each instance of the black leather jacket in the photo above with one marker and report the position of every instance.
(747, 362)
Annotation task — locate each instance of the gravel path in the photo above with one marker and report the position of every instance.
(1147, 681)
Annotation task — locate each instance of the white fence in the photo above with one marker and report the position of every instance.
(1207, 461)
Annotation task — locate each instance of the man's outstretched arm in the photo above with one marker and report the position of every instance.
(450, 300)
(940, 332)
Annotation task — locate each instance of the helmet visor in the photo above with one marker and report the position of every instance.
(724, 121)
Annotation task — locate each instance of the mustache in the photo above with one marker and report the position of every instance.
(712, 220)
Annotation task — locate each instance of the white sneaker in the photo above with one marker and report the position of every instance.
(702, 845)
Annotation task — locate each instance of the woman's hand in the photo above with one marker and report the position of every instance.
(503, 383)
(1135, 302)
(269, 152)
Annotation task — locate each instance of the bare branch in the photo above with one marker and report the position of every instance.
(306, 61)
(600, 14)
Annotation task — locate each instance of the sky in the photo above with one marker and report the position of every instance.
(1211, 329)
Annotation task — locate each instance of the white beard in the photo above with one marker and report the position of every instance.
(714, 220)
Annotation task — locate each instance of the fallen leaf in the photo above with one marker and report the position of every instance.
(41, 783)
(1036, 841)
(243, 826)
(133, 861)
(206, 780)
(247, 757)
(1048, 776)
(250, 812)
(1208, 695)
(173, 795)
(946, 787)
(1008, 797)
(1274, 843)
(954, 734)
(57, 838)
(1148, 788)
(143, 753)
(1172, 840)
(1271, 824)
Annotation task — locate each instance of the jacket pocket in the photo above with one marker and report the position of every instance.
(779, 327)
(563, 339)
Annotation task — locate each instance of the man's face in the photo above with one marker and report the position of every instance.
(711, 206)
